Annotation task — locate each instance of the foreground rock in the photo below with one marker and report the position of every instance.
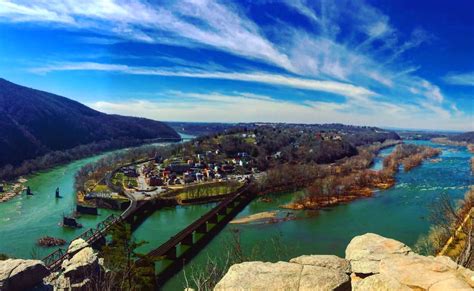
(21, 274)
(282, 276)
(76, 246)
(372, 262)
(80, 272)
(366, 251)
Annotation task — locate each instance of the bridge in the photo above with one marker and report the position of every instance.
(207, 227)
(92, 236)
(182, 247)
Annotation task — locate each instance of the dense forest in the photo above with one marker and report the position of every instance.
(263, 146)
(466, 137)
(34, 123)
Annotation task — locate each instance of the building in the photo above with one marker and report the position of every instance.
(155, 181)
(130, 172)
(179, 168)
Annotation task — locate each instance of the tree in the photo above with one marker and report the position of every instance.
(120, 258)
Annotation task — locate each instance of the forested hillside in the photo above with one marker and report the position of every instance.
(34, 123)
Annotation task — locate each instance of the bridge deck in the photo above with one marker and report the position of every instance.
(181, 236)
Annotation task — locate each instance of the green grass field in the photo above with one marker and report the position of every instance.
(121, 180)
(207, 190)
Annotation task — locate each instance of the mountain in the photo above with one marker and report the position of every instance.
(33, 123)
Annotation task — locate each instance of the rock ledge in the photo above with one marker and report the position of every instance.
(372, 262)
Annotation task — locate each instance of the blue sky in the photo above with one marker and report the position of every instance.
(387, 63)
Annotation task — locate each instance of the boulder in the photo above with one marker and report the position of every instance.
(325, 261)
(365, 252)
(467, 274)
(84, 264)
(283, 276)
(76, 246)
(378, 282)
(261, 276)
(321, 279)
(16, 274)
(422, 272)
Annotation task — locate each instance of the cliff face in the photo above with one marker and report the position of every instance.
(372, 262)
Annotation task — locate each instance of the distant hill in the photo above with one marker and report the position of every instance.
(34, 123)
(467, 137)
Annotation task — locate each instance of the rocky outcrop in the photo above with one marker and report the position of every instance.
(80, 271)
(283, 276)
(325, 261)
(76, 246)
(372, 262)
(366, 251)
(21, 274)
(84, 264)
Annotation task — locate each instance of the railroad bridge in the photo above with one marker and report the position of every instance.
(179, 249)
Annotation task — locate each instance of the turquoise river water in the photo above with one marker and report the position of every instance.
(399, 212)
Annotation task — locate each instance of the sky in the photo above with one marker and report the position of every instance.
(403, 64)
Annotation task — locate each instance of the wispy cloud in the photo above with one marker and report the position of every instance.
(340, 88)
(464, 79)
(351, 49)
(243, 107)
(207, 23)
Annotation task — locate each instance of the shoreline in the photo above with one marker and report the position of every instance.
(392, 164)
(445, 141)
(17, 188)
(333, 200)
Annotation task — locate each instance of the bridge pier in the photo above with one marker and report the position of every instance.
(202, 228)
(214, 219)
(171, 253)
(188, 240)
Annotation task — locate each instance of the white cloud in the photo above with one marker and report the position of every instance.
(340, 88)
(355, 60)
(464, 79)
(204, 22)
(245, 107)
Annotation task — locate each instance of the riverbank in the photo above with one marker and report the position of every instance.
(399, 212)
(11, 190)
(345, 186)
(446, 141)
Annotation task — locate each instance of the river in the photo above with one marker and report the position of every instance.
(399, 212)
(24, 219)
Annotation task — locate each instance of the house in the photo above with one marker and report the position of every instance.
(199, 176)
(227, 168)
(199, 165)
(188, 178)
(178, 168)
(130, 172)
(155, 181)
(159, 159)
(242, 154)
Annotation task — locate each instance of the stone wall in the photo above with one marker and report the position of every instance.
(372, 262)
